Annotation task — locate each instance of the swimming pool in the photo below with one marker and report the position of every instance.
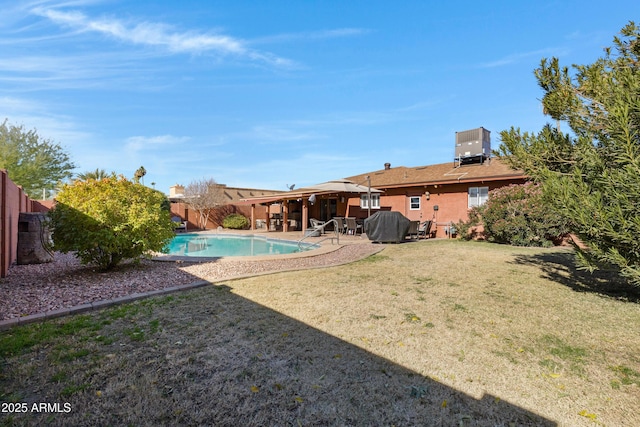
(219, 245)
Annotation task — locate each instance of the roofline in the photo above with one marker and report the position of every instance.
(305, 193)
(283, 196)
(454, 181)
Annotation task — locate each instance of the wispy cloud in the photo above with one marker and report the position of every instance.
(159, 35)
(270, 133)
(49, 66)
(311, 35)
(33, 113)
(137, 143)
(518, 57)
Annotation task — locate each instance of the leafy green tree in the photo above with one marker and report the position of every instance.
(110, 220)
(592, 176)
(31, 161)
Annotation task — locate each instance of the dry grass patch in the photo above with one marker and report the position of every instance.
(427, 333)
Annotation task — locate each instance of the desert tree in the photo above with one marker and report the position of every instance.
(592, 174)
(31, 161)
(203, 196)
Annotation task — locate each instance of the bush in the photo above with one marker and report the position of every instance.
(467, 230)
(106, 221)
(519, 215)
(236, 222)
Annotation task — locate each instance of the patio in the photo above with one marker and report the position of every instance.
(294, 209)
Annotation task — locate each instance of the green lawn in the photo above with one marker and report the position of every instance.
(424, 333)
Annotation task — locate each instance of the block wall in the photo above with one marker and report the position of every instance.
(13, 200)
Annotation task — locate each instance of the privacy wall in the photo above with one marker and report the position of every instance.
(13, 200)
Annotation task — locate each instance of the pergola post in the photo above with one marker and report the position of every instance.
(253, 216)
(305, 214)
(266, 221)
(285, 216)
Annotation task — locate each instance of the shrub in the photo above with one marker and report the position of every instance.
(236, 222)
(106, 221)
(519, 215)
(467, 230)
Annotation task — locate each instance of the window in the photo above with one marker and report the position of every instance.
(478, 196)
(375, 201)
(414, 203)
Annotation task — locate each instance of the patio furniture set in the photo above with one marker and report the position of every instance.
(348, 226)
(353, 226)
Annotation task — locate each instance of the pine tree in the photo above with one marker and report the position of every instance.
(592, 175)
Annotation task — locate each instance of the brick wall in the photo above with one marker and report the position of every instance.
(217, 214)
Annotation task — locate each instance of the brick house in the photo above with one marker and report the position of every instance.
(443, 192)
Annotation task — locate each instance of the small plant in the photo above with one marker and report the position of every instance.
(135, 334)
(459, 307)
(411, 317)
(418, 391)
(468, 230)
(235, 222)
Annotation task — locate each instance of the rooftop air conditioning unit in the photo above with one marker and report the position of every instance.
(473, 144)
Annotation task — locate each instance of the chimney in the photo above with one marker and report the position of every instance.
(387, 166)
(176, 190)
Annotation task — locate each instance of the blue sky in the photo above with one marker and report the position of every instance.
(268, 93)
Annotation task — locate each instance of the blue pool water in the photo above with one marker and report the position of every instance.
(219, 245)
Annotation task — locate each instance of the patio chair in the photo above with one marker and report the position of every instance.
(179, 224)
(414, 230)
(424, 230)
(317, 225)
(353, 227)
(342, 225)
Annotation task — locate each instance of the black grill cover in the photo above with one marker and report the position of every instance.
(386, 227)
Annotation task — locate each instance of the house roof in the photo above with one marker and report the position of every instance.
(402, 176)
(443, 173)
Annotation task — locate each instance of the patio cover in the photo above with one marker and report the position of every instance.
(308, 193)
(341, 186)
(386, 227)
(329, 187)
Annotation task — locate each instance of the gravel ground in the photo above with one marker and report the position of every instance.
(64, 283)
